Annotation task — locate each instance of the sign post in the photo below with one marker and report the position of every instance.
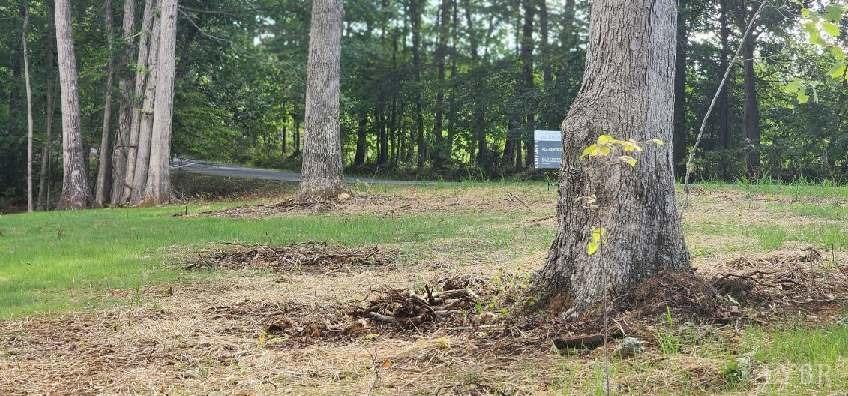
(548, 149)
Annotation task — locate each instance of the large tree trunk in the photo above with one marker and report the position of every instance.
(103, 186)
(158, 188)
(322, 153)
(24, 30)
(75, 192)
(49, 93)
(122, 137)
(681, 132)
(632, 44)
(146, 114)
(143, 78)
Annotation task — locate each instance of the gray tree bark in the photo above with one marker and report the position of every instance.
(681, 130)
(158, 188)
(75, 191)
(49, 93)
(103, 186)
(145, 125)
(24, 30)
(322, 154)
(122, 137)
(142, 78)
(627, 92)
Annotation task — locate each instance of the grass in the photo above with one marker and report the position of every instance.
(49, 261)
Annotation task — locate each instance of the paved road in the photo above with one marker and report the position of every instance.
(230, 170)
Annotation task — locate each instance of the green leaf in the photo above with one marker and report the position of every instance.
(803, 97)
(658, 142)
(833, 13)
(628, 160)
(630, 146)
(837, 52)
(838, 70)
(605, 140)
(595, 243)
(592, 248)
(793, 86)
(815, 36)
(831, 29)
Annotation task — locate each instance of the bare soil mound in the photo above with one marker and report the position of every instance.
(306, 257)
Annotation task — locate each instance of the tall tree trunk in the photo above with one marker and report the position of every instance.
(527, 79)
(415, 14)
(125, 111)
(752, 109)
(361, 141)
(143, 78)
(322, 153)
(723, 112)
(24, 30)
(146, 114)
(75, 192)
(681, 131)
(158, 188)
(632, 44)
(439, 59)
(49, 93)
(103, 186)
(479, 118)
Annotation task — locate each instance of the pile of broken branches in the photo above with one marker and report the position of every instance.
(405, 309)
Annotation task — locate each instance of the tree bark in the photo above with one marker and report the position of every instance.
(415, 15)
(125, 111)
(439, 59)
(322, 157)
(24, 30)
(752, 109)
(103, 186)
(146, 114)
(632, 45)
(361, 141)
(723, 99)
(158, 188)
(75, 192)
(527, 79)
(143, 78)
(49, 92)
(479, 127)
(681, 132)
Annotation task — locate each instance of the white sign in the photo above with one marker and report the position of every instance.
(548, 145)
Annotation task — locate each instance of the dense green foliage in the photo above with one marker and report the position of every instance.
(441, 87)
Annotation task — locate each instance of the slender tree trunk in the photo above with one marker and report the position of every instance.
(382, 134)
(158, 188)
(723, 99)
(527, 78)
(752, 110)
(544, 46)
(147, 115)
(479, 127)
(681, 131)
(632, 44)
(415, 15)
(103, 186)
(439, 59)
(75, 192)
(24, 30)
(361, 141)
(143, 78)
(322, 153)
(49, 93)
(120, 152)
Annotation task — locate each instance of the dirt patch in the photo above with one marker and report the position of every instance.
(307, 257)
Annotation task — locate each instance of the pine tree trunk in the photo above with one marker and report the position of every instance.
(322, 157)
(24, 30)
(158, 188)
(415, 16)
(125, 111)
(103, 186)
(143, 78)
(361, 141)
(146, 113)
(681, 132)
(632, 44)
(75, 192)
(723, 112)
(439, 60)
